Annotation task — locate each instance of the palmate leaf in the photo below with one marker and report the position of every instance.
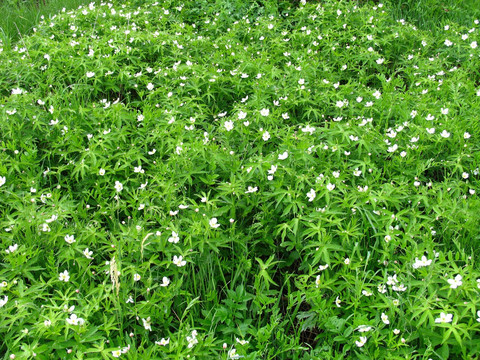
(264, 271)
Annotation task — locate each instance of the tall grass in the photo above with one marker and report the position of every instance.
(20, 17)
(432, 15)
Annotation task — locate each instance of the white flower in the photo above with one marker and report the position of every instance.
(380, 61)
(283, 156)
(456, 282)
(70, 239)
(47, 323)
(232, 354)
(4, 301)
(178, 260)
(64, 276)
(392, 280)
(362, 189)
(364, 328)
(3, 179)
(431, 130)
(478, 314)
(11, 249)
(90, 74)
(165, 281)
(228, 125)
(87, 253)
(264, 112)
(242, 115)
(192, 340)
(163, 342)
(385, 319)
(174, 238)
(317, 281)
(444, 318)
(421, 263)
(338, 301)
(392, 148)
(448, 43)
(118, 186)
(266, 136)
(147, 324)
(136, 277)
(116, 353)
(138, 169)
(473, 45)
(17, 91)
(150, 86)
(213, 223)
(361, 342)
(346, 261)
(273, 170)
(323, 267)
(75, 320)
(377, 94)
(285, 116)
(330, 187)
(311, 195)
(308, 129)
(68, 309)
(241, 342)
(251, 190)
(445, 134)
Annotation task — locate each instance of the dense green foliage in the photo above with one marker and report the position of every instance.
(433, 14)
(19, 18)
(235, 179)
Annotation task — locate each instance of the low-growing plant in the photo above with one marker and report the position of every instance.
(239, 180)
